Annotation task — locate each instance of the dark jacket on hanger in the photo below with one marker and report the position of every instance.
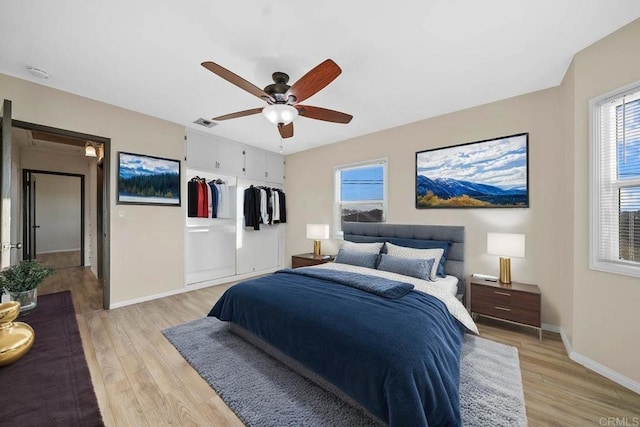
(192, 197)
(252, 207)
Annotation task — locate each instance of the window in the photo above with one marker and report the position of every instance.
(615, 182)
(360, 193)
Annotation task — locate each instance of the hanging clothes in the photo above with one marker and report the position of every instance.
(275, 198)
(224, 205)
(283, 207)
(213, 213)
(192, 197)
(252, 207)
(210, 200)
(203, 202)
(264, 212)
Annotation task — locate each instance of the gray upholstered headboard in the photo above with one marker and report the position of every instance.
(362, 232)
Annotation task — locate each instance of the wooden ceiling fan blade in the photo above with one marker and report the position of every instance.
(239, 114)
(236, 80)
(323, 114)
(316, 79)
(286, 131)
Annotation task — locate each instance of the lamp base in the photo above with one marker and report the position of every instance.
(316, 248)
(505, 270)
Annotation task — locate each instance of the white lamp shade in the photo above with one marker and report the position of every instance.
(318, 231)
(280, 113)
(506, 244)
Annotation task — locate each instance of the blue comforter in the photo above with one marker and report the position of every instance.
(399, 358)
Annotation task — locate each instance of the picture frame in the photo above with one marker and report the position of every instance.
(492, 173)
(148, 180)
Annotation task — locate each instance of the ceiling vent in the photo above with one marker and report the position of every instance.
(205, 123)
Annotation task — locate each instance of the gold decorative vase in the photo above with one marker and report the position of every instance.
(16, 338)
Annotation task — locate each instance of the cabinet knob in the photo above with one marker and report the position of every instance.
(502, 308)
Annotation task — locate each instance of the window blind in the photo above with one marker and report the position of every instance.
(617, 189)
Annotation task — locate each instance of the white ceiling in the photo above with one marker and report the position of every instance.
(401, 61)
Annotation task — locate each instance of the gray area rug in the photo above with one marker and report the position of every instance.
(264, 392)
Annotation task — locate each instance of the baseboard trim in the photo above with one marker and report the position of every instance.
(55, 251)
(605, 371)
(592, 364)
(193, 287)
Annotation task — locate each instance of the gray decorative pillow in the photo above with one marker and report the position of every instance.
(420, 268)
(404, 252)
(370, 248)
(361, 259)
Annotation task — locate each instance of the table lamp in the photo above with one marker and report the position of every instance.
(317, 232)
(505, 245)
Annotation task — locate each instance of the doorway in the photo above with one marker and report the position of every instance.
(53, 218)
(97, 205)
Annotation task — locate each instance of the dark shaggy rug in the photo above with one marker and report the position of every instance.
(51, 384)
(264, 392)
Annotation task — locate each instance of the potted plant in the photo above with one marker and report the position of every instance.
(21, 282)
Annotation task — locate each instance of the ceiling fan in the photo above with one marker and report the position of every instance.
(283, 99)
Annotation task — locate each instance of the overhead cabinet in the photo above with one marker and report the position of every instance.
(209, 153)
(263, 166)
(217, 155)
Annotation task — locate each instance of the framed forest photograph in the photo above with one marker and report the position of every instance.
(148, 180)
(491, 173)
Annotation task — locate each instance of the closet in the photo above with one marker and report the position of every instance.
(221, 249)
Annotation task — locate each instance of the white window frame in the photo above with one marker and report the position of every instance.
(603, 181)
(337, 202)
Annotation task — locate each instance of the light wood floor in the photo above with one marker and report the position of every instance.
(60, 259)
(141, 380)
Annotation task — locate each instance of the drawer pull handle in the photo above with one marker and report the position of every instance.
(502, 308)
(502, 293)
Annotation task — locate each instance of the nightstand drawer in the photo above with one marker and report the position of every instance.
(504, 297)
(504, 311)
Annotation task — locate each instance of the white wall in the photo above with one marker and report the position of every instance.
(58, 212)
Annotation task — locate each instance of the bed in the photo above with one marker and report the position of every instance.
(386, 343)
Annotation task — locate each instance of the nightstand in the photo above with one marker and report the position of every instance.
(517, 303)
(305, 260)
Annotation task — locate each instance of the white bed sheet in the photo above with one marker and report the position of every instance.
(449, 283)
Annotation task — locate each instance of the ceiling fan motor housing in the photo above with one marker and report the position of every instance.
(279, 88)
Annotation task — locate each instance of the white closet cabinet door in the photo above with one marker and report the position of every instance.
(275, 168)
(260, 249)
(230, 158)
(254, 164)
(210, 252)
(202, 151)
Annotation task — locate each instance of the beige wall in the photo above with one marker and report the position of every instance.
(566, 214)
(606, 328)
(309, 186)
(147, 242)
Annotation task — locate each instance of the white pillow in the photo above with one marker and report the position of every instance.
(404, 252)
(368, 248)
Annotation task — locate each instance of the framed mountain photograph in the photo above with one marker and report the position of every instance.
(148, 180)
(484, 174)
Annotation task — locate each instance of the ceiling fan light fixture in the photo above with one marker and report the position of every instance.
(280, 113)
